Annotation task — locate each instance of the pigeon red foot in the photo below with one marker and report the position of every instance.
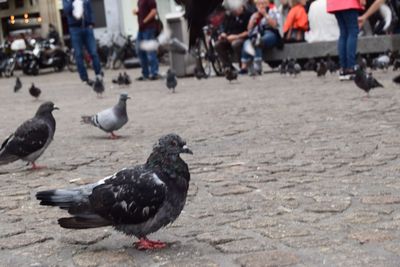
(114, 136)
(37, 167)
(146, 244)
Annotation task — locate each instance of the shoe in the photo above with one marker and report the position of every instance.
(347, 75)
(141, 78)
(243, 71)
(155, 78)
(89, 82)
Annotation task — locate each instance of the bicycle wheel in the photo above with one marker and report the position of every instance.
(203, 54)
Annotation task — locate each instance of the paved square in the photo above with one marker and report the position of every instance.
(286, 171)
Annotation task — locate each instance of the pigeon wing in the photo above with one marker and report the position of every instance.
(106, 120)
(30, 137)
(131, 196)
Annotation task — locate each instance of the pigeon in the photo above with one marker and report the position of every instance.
(111, 119)
(361, 61)
(127, 79)
(98, 86)
(322, 68)
(293, 68)
(18, 85)
(137, 200)
(30, 139)
(199, 72)
(382, 62)
(283, 67)
(310, 65)
(396, 64)
(34, 91)
(171, 80)
(365, 81)
(231, 74)
(397, 79)
(331, 64)
(119, 80)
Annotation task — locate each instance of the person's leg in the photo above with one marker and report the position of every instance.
(142, 56)
(90, 44)
(223, 48)
(269, 39)
(246, 57)
(237, 48)
(151, 55)
(77, 45)
(342, 39)
(351, 19)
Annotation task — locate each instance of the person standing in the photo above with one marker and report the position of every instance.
(146, 13)
(80, 22)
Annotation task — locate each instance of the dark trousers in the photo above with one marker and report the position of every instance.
(229, 52)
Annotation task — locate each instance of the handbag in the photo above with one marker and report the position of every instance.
(159, 26)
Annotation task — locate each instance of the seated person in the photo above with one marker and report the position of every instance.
(323, 25)
(296, 23)
(234, 33)
(263, 33)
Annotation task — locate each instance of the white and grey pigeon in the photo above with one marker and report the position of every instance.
(171, 80)
(137, 201)
(111, 119)
(31, 139)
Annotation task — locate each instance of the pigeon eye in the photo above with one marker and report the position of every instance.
(174, 143)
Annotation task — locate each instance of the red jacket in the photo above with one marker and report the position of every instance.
(333, 6)
(296, 19)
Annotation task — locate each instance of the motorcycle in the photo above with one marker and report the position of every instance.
(7, 60)
(44, 55)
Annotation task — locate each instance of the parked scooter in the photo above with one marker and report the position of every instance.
(44, 55)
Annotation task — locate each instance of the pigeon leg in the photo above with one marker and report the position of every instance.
(146, 244)
(37, 167)
(114, 136)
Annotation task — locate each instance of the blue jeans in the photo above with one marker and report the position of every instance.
(268, 40)
(80, 38)
(347, 44)
(148, 59)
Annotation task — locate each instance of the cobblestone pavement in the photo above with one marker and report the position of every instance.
(286, 171)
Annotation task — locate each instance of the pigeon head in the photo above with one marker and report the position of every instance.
(46, 108)
(170, 72)
(171, 144)
(124, 97)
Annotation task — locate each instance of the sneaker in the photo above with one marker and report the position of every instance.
(141, 78)
(155, 78)
(89, 82)
(347, 75)
(243, 71)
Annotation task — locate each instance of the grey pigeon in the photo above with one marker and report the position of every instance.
(171, 80)
(31, 139)
(119, 80)
(127, 79)
(18, 85)
(310, 65)
(283, 67)
(231, 74)
(382, 62)
(293, 68)
(137, 200)
(365, 81)
(331, 64)
(98, 86)
(322, 68)
(396, 64)
(397, 79)
(34, 91)
(111, 119)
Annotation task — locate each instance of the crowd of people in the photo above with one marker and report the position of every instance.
(261, 24)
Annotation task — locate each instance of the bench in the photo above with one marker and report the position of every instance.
(299, 51)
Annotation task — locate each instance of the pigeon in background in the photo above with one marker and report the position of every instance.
(34, 91)
(362, 61)
(382, 62)
(365, 81)
(119, 80)
(31, 139)
(137, 200)
(396, 64)
(171, 80)
(310, 65)
(283, 67)
(18, 85)
(98, 86)
(127, 79)
(293, 68)
(231, 74)
(322, 68)
(111, 119)
(331, 64)
(397, 79)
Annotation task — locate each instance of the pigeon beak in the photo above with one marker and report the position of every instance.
(56, 108)
(186, 150)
